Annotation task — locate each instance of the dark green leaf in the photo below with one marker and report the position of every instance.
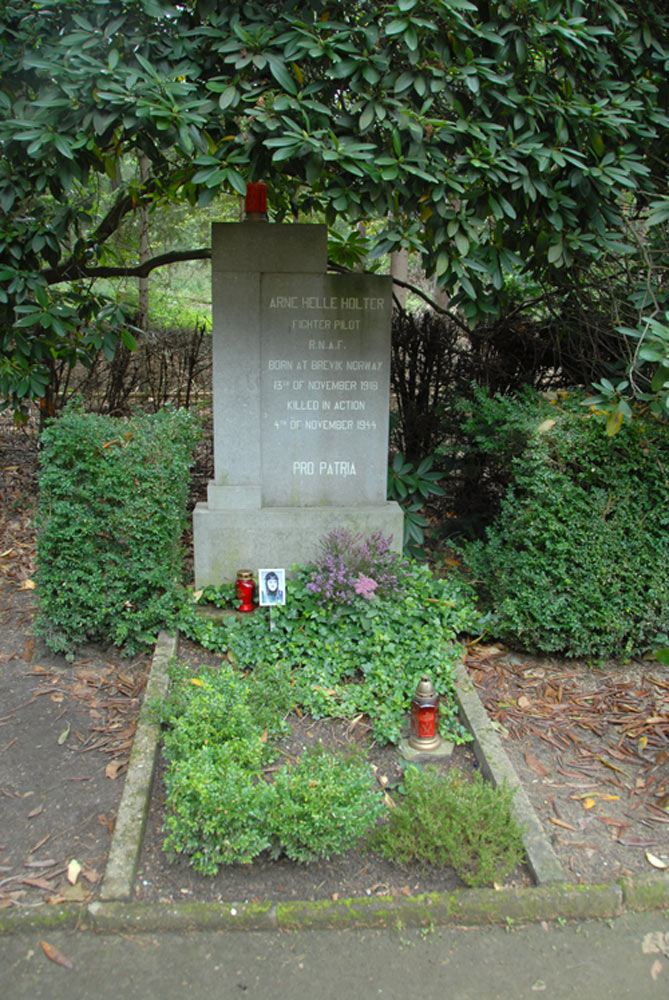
(282, 74)
(229, 98)
(128, 340)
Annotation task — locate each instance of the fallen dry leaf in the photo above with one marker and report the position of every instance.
(402, 890)
(27, 585)
(654, 861)
(655, 942)
(636, 842)
(656, 969)
(39, 844)
(37, 883)
(535, 765)
(55, 955)
(559, 822)
(10, 898)
(588, 803)
(613, 821)
(73, 870)
(107, 821)
(114, 768)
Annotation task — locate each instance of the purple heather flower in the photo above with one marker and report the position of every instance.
(342, 569)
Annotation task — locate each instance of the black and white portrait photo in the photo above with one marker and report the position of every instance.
(272, 586)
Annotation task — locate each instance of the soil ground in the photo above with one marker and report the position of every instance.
(66, 730)
(591, 748)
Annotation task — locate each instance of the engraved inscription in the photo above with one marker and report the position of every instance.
(324, 374)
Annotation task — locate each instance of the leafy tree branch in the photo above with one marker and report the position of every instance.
(503, 144)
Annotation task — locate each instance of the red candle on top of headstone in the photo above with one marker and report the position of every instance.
(256, 200)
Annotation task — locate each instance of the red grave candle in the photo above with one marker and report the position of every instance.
(256, 200)
(244, 589)
(425, 717)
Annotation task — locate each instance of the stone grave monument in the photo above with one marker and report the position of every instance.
(301, 382)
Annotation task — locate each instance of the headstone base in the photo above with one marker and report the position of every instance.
(227, 540)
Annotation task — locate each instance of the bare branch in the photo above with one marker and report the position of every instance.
(75, 270)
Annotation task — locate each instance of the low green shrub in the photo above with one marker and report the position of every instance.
(217, 806)
(324, 805)
(487, 434)
(576, 561)
(220, 704)
(449, 820)
(217, 712)
(216, 743)
(220, 808)
(112, 509)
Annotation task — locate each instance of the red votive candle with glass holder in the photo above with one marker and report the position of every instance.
(425, 716)
(245, 589)
(255, 206)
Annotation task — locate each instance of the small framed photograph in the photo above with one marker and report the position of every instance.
(272, 586)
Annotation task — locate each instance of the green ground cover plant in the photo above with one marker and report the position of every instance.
(222, 727)
(112, 509)
(222, 807)
(576, 560)
(359, 628)
(449, 820)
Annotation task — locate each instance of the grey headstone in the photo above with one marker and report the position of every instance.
(301, 399)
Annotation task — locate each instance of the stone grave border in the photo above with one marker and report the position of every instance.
(552, 898)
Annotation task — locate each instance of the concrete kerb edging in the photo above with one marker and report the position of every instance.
(497, 768)
(131, 817)
(551, 899)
